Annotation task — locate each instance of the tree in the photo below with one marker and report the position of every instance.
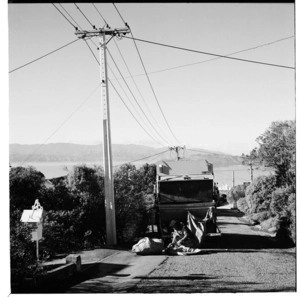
(131, 214)
(26, 184)
(277, 149)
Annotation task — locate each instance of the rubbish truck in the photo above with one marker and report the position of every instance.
(182, 187)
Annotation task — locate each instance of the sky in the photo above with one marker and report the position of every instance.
(221, 104)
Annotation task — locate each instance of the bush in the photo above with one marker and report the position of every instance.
(22, 249)
(243, 205)
(280, 201)
(291, 209)
(131, 214)
(270, 223)
(261, 216)
(259, 194)
(75, 211)
(236, 193)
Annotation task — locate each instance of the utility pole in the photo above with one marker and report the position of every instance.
(251, 172)
(233, 179)
(177, 149)
(111, 235)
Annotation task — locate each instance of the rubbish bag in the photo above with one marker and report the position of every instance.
(148, 246)
(198, 229)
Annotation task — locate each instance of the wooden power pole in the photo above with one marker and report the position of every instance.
(111, 236)
(177, 149)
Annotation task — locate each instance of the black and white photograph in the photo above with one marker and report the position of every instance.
(151, 147)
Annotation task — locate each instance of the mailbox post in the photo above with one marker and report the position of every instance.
(35, 217)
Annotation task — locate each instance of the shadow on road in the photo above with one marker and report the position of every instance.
(89, 272)
(229, 213)
(241, 241)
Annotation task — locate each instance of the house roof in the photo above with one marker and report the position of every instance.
(184, 168)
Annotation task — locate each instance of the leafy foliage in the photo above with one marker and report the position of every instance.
(22, 249)
(272, 199)
(236, 193)
(277, 148)
(75, 211)
(259, 193)
(25, 185)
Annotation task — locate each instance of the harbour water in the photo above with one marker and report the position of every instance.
(223, 175)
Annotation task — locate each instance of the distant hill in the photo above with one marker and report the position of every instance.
(68, 152)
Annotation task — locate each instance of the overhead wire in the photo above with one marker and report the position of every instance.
(148, 157)
(70, 16)
(132, 113)
(207, 53)
(140, 91)
(147, 75)
(209, 60)
(134, 96)
(141, 159)
(72, 19)
(84, 16)
(62, 124)
(129, 99)
(65, 17)
(92, 52)
(100, 14)
(119, 84)
(43, 56)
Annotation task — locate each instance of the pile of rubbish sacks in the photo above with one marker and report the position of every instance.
(186, 239)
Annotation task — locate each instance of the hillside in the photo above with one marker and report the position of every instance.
(67, 152)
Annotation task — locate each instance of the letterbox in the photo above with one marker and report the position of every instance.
(34, 216)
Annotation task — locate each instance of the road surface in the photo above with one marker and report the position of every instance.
(243, 259)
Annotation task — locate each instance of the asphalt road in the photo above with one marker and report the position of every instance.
(243, 259)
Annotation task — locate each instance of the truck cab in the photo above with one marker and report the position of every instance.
(185, 186)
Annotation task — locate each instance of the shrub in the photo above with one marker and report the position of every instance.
(26, 184)
(243, 205)
(291, 209)
(259, 194)
(22, 249)
(236, 193)
(280, 201)
(270, 223)
(261, 216)
(130, 203)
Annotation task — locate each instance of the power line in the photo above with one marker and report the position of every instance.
(100, 14)
(134, 96)
(122, 89)
(149, 157)
(132, 113)
(153, 90)
(92, 52)
(62, 123)
(209, 60)
(119, 13)
(84, 16)
(73, 21)
(70, 16)
(138, 88)
(65, 17)
(44, 56)
(129, 99)
(147, 75)
(142, 158)
(125, 81)
(206, 53)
